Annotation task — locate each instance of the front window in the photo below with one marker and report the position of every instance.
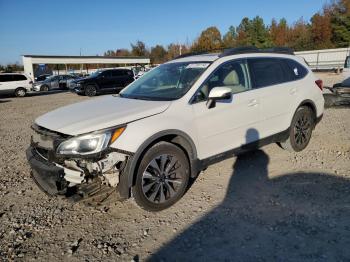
(166, 82)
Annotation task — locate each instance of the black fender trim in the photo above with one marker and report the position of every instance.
(127, 177)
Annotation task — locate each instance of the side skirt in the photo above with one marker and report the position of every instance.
(202, 164)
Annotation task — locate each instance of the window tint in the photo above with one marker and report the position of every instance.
(106, 73)
(347, 62)
(18, 78)
(5, 78)
(9, 78)
(297, 70)
(267, 71)
(118, 73)
(234, 75)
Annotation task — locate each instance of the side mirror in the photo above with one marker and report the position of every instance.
(218, 93)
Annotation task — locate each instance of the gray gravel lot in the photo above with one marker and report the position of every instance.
(268, 205)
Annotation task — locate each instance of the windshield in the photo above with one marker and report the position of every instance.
(347, 62)
(165, 82)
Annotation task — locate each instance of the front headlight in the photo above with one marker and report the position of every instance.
(90, 143)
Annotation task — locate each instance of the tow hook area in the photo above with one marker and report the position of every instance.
(102, 187)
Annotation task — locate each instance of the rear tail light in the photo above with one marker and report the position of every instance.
(30, 82)
(319, 83)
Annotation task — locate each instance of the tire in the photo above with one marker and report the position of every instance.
(44, 88)
(162, 177)
(300, 132)
(90, 90)
(20, 92)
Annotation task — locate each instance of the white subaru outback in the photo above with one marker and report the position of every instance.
(164, 128)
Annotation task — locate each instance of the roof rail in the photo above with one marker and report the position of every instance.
(280, 50)
(241, 50)
(200, 53)
(253, 49)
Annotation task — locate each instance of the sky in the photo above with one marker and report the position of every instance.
(64, 27)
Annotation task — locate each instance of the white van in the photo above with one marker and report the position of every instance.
(15, 83)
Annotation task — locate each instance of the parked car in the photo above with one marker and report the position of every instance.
(179, 118)
(104, 81)
(54, 82)
(42, 77)
(343, 88)
(15, 83)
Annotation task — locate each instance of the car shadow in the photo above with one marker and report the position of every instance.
(4, 101)
(293, 217)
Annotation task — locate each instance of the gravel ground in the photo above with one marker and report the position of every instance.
(268, 205)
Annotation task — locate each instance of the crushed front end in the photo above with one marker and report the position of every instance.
(77, 176)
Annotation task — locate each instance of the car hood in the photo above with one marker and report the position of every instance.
(99, 113)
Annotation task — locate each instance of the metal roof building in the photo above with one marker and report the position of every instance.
(30, 60)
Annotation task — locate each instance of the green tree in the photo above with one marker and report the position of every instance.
(158, 54)
(339, 12)
(253, 32)
(229, 39)
(210, 39)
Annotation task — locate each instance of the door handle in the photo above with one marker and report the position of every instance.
(293, 90)
(253, 102)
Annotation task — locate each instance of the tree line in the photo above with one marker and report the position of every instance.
(328, 28)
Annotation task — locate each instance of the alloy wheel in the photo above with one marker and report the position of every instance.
(162, 178)
(302, 130)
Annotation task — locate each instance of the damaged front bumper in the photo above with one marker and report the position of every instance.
(67, 180)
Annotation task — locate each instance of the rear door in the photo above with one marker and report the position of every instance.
(231, 123)
(119, 78)
(55, 82)
(277, 92)
(105, 80)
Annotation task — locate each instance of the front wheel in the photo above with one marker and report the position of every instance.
(300, 130)
(162, 177)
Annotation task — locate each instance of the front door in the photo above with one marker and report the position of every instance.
(231, 123)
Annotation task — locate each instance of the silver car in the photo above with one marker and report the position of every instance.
(54, 83)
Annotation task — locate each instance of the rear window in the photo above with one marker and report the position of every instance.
(5, 78)
(267, 72)
(9, 78)
(297, 70)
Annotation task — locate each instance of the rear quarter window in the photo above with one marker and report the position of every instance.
(18, 77)
(297, 70)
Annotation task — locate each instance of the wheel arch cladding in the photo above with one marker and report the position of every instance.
(176, 137)
(311, 105)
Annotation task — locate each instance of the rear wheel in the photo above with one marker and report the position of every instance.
(20, 92)
(162, 177)
(90, 90)
(300, 130)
